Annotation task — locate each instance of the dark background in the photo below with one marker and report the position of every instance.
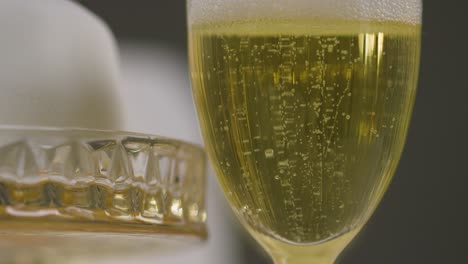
(423, 218)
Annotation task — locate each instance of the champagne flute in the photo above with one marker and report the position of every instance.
(304, 107)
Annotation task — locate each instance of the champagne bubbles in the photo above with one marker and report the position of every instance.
(207, 11)
(305, 102)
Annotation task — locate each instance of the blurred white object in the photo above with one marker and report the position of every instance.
(58, 66)
(156, 92)
(158, 100)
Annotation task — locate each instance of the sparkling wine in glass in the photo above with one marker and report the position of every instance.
(304, 107)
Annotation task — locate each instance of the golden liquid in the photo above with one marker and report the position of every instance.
(92, 202)
(304, 120)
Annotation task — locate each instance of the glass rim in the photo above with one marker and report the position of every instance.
(71, 130)
(202, 11)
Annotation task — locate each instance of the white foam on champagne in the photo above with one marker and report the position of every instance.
(207, 11)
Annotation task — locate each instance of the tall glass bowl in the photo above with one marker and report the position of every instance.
(304, 107)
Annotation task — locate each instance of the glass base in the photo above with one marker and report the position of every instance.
(82, 246)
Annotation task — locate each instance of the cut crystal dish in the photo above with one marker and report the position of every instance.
(57, 184)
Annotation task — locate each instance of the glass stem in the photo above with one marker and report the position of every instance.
(321, 253)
